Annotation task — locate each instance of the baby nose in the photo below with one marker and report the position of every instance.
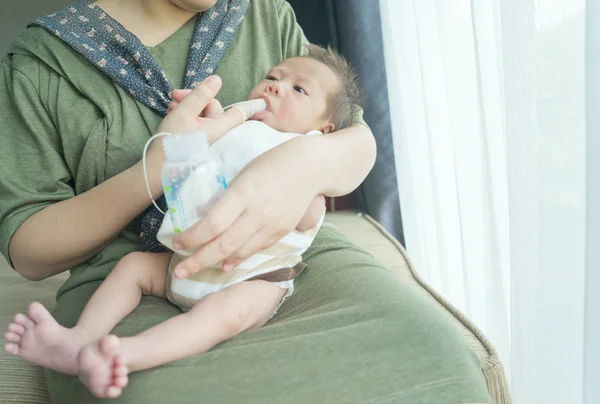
(274, 88)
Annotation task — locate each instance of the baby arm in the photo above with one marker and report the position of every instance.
(313, 214)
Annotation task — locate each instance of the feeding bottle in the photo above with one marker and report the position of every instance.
(192, 178)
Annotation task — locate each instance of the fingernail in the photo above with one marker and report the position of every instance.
(213, 81)
(177, 245)
(182, 273)
(227, 267)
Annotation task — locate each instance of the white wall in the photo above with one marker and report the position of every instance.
(546, 139)
(592, 282)
(15, 14)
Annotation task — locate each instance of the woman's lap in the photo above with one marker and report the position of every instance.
(352, 332)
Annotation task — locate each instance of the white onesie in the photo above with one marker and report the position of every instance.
(280, 263)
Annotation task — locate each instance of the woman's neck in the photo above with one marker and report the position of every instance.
(152, 21)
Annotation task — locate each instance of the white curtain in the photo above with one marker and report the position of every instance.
(487, 110)
(444, 67)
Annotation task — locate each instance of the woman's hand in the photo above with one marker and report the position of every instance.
(186, 116)
(262, 204)
(70, 232)
(268, 199)
(310, 220)
(212, 110)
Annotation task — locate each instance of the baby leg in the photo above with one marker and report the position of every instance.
(38, 338)
(216, 318)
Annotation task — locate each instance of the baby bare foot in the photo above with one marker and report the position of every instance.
(102, 369)
(38, 338)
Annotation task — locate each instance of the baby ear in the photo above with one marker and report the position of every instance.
(328, 128)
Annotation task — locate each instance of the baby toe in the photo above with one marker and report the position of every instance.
(16, 328)
(120, 370)
(23, 320)
(12, 337)
(12, 349)
(121, 381)
(113, 391)
(38, 313)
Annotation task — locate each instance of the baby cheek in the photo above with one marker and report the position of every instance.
(283, 112)
(290, 112)
(256, 91)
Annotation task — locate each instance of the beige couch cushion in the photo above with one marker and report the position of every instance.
(364, 231)
(21, 382)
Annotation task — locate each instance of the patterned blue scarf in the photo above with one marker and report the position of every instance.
(122, 57)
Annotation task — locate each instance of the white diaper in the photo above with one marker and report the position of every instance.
(184, 293)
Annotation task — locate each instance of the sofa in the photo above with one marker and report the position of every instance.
(22, 382)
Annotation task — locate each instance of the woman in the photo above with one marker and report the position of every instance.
(73, 191)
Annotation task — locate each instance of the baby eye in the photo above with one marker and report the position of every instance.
(270, 78)
(299, 89)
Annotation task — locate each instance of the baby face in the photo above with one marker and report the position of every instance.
(296, 92)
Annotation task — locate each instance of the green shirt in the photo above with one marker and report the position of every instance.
(66, 127)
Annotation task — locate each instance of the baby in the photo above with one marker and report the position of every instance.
(303, 95)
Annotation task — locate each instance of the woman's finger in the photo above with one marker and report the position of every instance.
(218, 219)
(197, 99)
(213, 108)
(180, 94)
(228, 120)
(172, 106)
(262, 239)
(220, 248)
(229, 265)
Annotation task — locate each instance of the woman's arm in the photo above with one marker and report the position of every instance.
(342, 159)
(70, 232)
(270, 196)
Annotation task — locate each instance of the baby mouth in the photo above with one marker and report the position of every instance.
(267, 101)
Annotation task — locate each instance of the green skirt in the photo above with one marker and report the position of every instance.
(351, 333)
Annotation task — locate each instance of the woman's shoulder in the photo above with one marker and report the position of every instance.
(274, 5)
(34, 47)
(275, 22)
(268, 8)
(33, 40)
(45, 59)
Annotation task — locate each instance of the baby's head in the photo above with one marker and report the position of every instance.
(319, 91)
